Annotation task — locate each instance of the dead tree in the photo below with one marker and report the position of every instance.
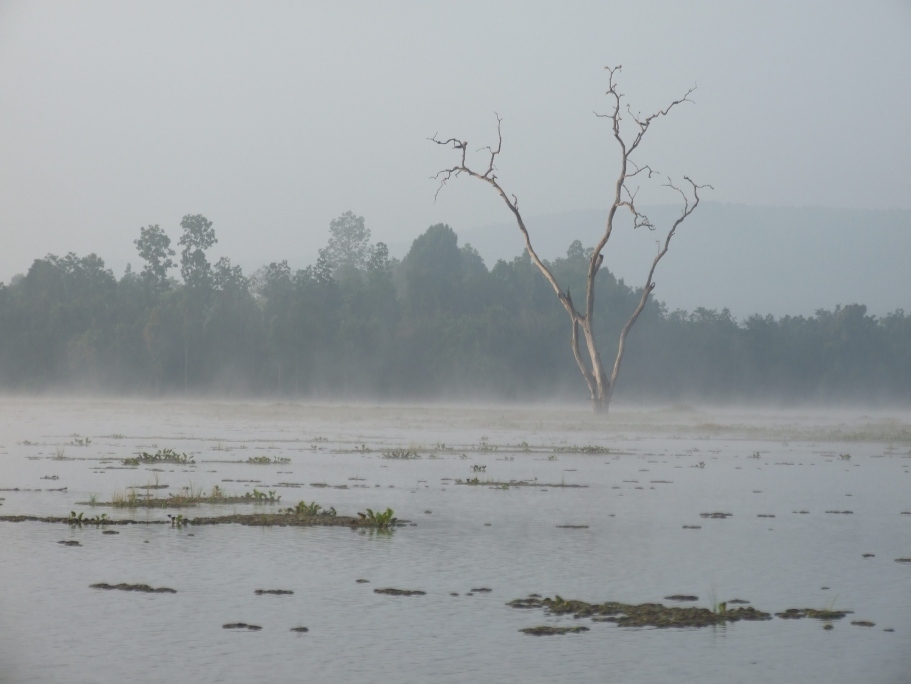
(600, 385)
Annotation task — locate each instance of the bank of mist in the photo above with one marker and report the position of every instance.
(437, 324)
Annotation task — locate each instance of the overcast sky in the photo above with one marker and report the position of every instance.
(273, 118)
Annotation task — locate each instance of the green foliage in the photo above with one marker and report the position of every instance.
(305, 510)
(161, 456)
(381, 520)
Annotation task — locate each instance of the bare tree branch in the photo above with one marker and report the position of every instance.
(600, 386)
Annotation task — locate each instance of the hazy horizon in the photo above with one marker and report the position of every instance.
(273, 120)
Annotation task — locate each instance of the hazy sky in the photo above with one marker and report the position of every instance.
(273, 118)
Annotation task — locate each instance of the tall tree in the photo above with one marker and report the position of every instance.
(600, 385)
(349, 243)
(198, 236)
(154, 247)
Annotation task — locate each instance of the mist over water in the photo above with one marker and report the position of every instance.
(646, 475)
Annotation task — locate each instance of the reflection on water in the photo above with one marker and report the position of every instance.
(634, 534)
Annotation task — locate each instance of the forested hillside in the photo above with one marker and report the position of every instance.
(437, 324)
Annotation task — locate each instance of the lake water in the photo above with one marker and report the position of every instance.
(639, 495)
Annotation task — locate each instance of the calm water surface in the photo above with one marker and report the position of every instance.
(638, 497)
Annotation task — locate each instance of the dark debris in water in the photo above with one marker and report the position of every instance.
(681, 597)
(241, 625)
(399, 592)
(276, 592)
(547, 630)
(641, 615)
(144, 588)
(718, 516)
(299, 630)
(863, 623)
(573, 527)
(70, 542)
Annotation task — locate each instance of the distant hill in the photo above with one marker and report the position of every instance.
(777, 260)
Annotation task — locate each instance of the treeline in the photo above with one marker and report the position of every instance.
(438, 323)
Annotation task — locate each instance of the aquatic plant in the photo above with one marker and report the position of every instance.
(178, 520)
(379, 519)
(401, 454)
(755, 454)
(587, 449)
(305, 510)
(59, 451)
(93, 499)
(845, 457)
(479, 468)
(265, 460)
(160, 456)
(80, 441)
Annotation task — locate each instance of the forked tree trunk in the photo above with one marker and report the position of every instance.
(600, 385)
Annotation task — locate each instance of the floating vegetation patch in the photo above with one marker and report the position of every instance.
(573, 527)
(716, 516)
(70, 542)
(299, 630)
(482, 590)
(681, 597)
(587, 449)
(186, 497)
(160, 456)
(692, 527)
(401, 454)
(241, 625)
(642, 615)
(903, 560)
(496, 484)
(144, 588)
(548, 630)
(275, 592)
(863, 623)
(799, 613)
(389, 591)
(280, 519)
(265, 460)
(842, 512)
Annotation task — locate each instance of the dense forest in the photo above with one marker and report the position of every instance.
(437, 323)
